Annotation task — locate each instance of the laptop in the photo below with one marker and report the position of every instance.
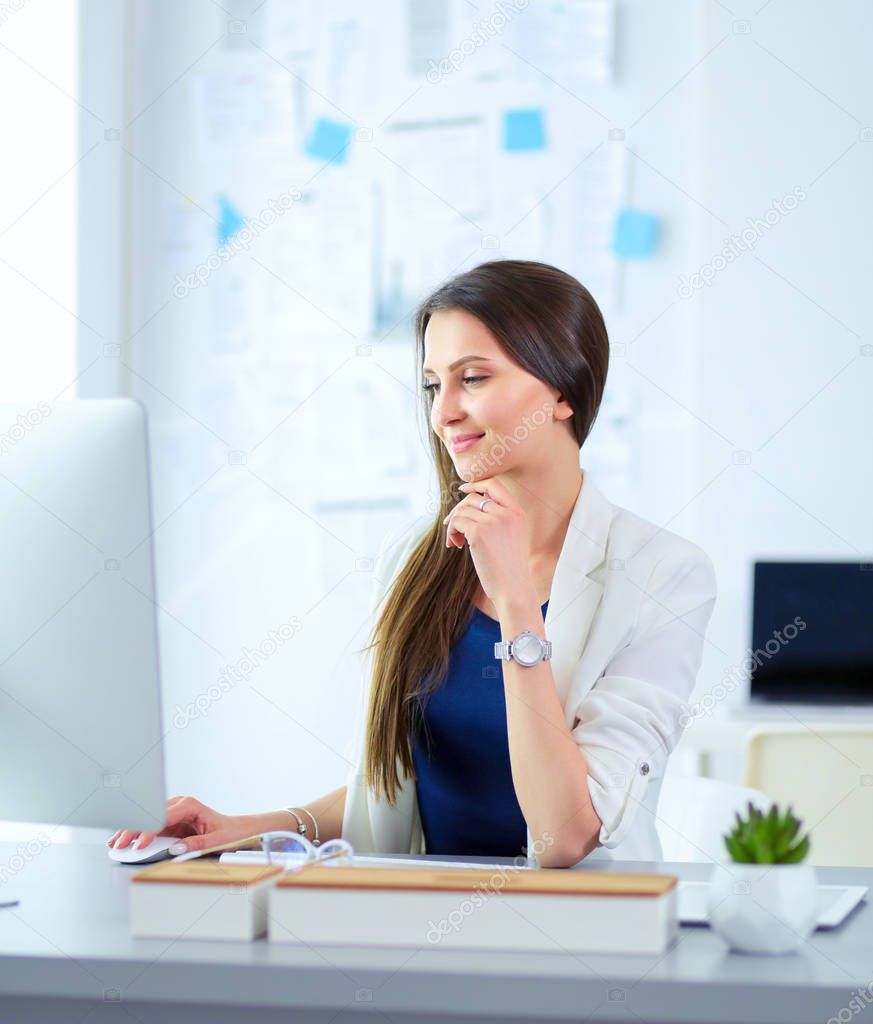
(811, 636)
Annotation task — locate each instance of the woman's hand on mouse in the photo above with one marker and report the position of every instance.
(197, 825)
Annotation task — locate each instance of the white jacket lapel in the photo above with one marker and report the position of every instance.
(575, 596)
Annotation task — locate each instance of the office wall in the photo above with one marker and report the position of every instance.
(782, 465)
(38, 200)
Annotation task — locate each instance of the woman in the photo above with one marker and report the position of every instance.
(533, 643)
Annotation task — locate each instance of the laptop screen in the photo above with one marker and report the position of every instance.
(812, 632)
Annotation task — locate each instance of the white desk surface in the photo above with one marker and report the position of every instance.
(66, 955)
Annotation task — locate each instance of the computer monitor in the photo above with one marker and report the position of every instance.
(812, 633)
(81, 738)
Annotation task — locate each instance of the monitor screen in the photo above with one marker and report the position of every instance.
(812, 632)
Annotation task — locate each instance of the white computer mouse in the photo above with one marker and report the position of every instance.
(158, 849)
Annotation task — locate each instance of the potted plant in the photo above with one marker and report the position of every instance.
(765, 899)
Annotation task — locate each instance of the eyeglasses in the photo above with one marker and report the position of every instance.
(293, 850)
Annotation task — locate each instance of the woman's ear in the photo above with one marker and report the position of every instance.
(561, 410)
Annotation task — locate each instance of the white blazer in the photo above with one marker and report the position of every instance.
(627, 615)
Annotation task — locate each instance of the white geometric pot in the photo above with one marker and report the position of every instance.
(763, 908)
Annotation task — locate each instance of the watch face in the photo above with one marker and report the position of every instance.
(527, 649)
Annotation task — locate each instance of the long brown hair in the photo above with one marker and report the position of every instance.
(547, 322)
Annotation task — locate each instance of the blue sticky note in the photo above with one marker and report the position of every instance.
(230, 220)
(329, 140)
(635, 234)
(524, 130)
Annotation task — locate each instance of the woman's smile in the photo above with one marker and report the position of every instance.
(463, 445)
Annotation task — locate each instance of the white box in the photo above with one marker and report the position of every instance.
(549, 910)
(201, 899)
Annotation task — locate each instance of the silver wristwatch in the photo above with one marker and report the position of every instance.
(527, 649)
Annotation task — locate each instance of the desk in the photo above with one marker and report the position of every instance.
(725, 730)
(66, 955)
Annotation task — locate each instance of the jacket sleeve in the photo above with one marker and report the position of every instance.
(630, 719)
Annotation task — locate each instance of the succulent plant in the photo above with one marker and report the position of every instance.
(769, 838)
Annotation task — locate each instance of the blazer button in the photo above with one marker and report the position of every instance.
(644, 768)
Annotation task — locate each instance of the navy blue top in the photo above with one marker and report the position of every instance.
(466, 798)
